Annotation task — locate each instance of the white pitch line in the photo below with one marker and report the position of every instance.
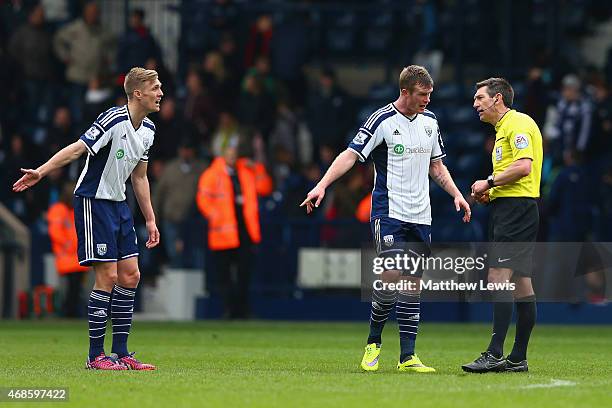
(552, 384)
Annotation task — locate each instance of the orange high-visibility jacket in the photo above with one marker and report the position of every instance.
(63, 239)
(215, 200)
(364, 208)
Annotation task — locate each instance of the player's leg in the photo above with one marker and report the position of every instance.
(408, 309)
(386, 232)
(408, 312)
(122, 307)
(124, 292)
(383, 299)
(97, 313)
(94, 227)
(525, 301)
(122, 311)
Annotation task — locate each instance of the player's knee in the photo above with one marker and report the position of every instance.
(108, 276)
(498, 276)
(131, 278)
(391, 276)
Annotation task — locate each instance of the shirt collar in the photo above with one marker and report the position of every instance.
(503, 118)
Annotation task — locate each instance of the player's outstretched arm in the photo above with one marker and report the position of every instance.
(343, 163)
(67, 155)
(140, 183)
(440, 174)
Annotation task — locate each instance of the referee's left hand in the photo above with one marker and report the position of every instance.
(460, 204)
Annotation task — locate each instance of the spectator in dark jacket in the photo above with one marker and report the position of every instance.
(31, 47)
(329, 112)
(137, 44)
(174, 202)
(199, 109)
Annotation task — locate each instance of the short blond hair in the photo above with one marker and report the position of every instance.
(412, 75)
(136, 78)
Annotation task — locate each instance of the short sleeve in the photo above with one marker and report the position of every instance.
(364, 142)
(148, 140)
(438, 151)
(521, 143)
(370, 135)
(95, 138)
(145, 155)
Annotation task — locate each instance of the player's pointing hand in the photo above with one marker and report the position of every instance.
(26, 181)
(316, 195)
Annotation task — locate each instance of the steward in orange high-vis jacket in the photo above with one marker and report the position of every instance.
(62, 232)
(227, 197)
(218, 201)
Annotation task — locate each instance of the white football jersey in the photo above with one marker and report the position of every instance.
(401, 149)
(114, 148)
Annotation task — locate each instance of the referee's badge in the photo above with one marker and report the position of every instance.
(521, 141)
(388, 240)
(101, 248)
(428, 130)
(498, 153)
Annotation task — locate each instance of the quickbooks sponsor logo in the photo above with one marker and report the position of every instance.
(120, 154)
(399, 149)
(418, 150)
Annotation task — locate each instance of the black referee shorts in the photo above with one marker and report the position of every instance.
(513, 228)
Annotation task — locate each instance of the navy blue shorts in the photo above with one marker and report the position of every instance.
(105, 230)
(392, 237)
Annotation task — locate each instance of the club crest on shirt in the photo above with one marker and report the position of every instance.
(521, 141)
(146, 142)
(101, 249)
(92, 133)
(428, 130)
(388, 240)
(498, 153)
(360, 138)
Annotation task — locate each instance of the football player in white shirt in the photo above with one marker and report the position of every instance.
(117, 144)
(405, 143)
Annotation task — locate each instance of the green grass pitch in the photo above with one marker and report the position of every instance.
(281, 364)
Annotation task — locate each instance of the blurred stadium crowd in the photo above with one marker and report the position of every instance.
(268, 79)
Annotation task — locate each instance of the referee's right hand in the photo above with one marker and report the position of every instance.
(316, 195)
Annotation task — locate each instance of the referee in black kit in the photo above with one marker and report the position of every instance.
(512, 190)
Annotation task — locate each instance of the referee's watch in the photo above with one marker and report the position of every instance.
(491, 181)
